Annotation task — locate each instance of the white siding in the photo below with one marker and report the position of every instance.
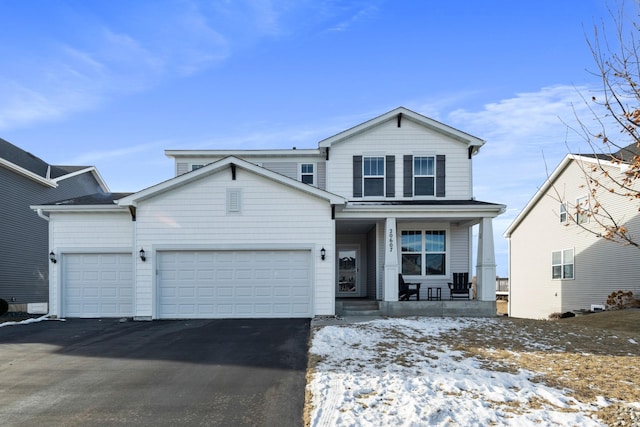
(272, 216)
(601, 267)
(410, 139)
(85, 233)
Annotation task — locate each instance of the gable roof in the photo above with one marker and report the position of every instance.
(36, 169)
(400, 114)
(229, 162)
(603, 159)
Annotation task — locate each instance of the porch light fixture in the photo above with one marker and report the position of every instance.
(52, 257)
(323, 253)
(143, 256)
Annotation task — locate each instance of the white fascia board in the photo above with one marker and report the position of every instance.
(90, 169)
(214, 167)
(435, 125)
(243, 153)
(550, 182)
(427, 212)
(28, 174)
(78, 208)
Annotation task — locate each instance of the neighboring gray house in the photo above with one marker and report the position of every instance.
(24, 246)
(284, 233)
(555, 265)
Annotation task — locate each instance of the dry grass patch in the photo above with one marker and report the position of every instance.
(591, 356)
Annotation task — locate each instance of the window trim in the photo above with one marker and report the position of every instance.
(415, 175)
(301, 173)
(563, 213)
(423, 252)
(382, 158)
(564, 264)
(585, 217)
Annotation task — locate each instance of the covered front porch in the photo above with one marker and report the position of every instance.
(426, 244)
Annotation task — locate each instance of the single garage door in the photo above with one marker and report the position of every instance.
(233, 284)
(97, 285)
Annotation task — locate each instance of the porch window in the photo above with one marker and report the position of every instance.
(424, 252)
(306, 173)
(373, 176)
(562, 264)
(424, 176)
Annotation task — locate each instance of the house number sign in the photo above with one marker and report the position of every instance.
(391, 240)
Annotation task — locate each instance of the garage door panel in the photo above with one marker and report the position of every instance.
(234, 284)
(97, 285)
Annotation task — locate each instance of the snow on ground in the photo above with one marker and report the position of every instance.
(27, 321)
(401, 372)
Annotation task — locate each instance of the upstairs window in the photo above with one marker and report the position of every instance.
(424, 176)
(196, 167)
(562, 264)
(307, 173)
(582, 210)
(563, 212)
(373, 176)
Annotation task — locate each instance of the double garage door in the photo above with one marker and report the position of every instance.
(234, 284)
(192, 284)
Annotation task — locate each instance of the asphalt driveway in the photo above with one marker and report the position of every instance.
(188, 373)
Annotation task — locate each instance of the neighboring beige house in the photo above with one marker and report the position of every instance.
(555, 265)
(283, 233)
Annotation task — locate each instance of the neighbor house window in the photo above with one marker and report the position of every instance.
(306, 173)
(424, 176)
(195, 167)
(563, 212)
(562, 264)
(373, 176)
(424, 252)
(582, 210)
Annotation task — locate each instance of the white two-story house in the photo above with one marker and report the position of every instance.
(284, 233)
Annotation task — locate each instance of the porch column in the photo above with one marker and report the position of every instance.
(390, 261)
(486, 267)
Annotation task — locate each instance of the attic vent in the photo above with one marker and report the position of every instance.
(233, 200)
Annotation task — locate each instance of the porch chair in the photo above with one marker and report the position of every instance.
(405, 290)
(460, 287)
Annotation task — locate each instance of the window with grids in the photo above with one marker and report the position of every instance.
(424, 252)
(562, 263)
(583, 211)
(563, 212)
(306, 173)
(373, 176)
(424, 175)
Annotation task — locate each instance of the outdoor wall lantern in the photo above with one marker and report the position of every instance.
(52, 257)
(143, 256)
(323, 253)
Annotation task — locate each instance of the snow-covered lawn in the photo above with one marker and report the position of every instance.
(407, 372)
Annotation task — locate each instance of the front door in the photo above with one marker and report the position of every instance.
(348, 272)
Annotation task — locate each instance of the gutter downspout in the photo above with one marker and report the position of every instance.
(42, 215)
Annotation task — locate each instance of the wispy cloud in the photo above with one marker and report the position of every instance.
(354, 16)
(79, 71)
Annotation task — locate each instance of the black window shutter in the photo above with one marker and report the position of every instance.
(390, 172)
(407, 181)
(357, 176)
(440, 175)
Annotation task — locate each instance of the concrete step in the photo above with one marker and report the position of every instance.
(359, 308)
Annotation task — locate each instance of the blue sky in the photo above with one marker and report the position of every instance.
(114, 83)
